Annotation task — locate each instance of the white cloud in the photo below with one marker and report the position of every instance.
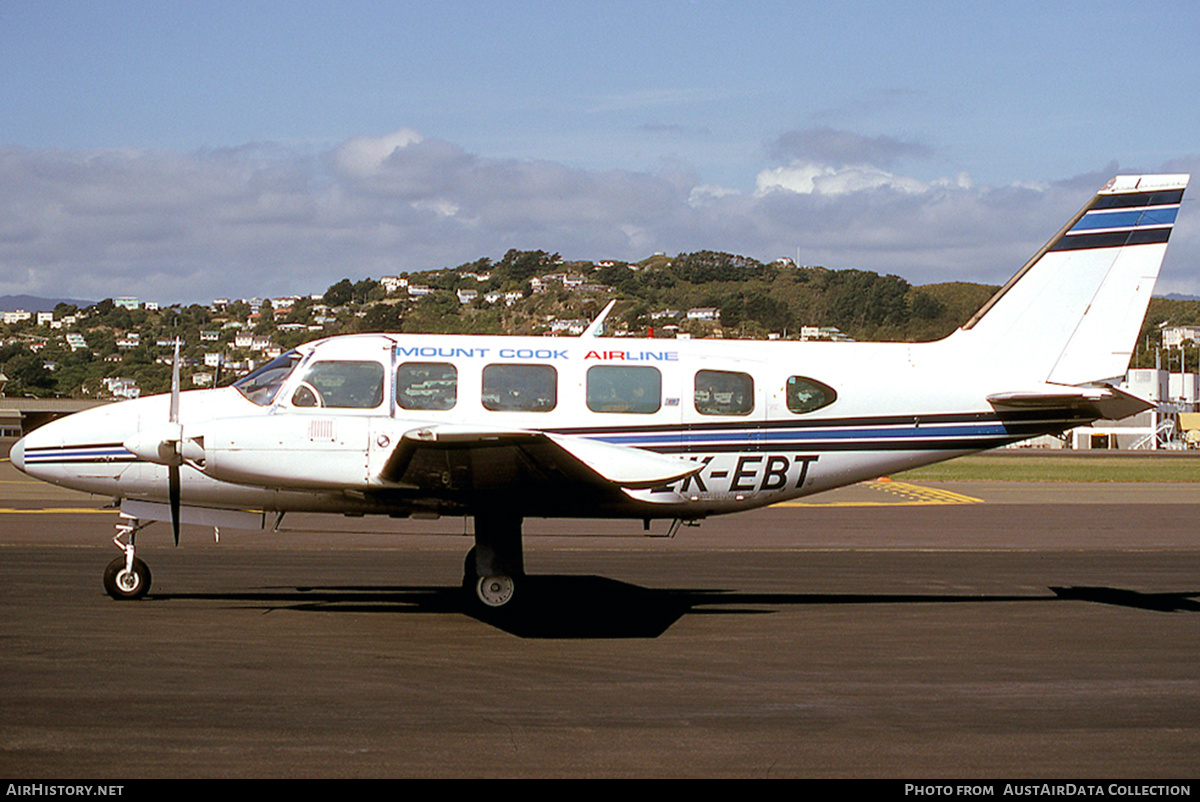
(808, 178)
(364, 156)
(267, 220)
(706, 193)
(442, 206)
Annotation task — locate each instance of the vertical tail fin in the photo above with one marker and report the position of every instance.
(1072, 314)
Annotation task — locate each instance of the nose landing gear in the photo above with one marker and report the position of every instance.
(122, 582)
(127, 577)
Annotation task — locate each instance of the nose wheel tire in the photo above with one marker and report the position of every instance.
(125, 584)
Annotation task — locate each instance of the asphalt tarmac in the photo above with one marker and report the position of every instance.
(957, 630)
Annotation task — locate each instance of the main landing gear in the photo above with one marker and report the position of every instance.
(127, 577)
(494, 569)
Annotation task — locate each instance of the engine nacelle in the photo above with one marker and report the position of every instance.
(288, 451)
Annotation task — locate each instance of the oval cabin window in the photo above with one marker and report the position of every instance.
(808, 395)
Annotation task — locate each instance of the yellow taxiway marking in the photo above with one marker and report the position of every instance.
(50, 511)
(912, 495)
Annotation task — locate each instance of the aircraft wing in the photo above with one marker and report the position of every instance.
(465, 459)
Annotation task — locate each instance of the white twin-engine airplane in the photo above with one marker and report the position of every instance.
(505, 428)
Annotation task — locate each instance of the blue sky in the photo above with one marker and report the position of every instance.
(183, 150)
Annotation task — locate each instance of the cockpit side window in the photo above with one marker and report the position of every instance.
(808, 395)
(341, 384)
(262, 385)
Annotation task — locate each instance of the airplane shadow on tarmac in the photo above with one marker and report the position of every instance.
(1158, 602)
(563, 607)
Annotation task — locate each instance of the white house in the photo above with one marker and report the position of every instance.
(1174, 336)
(392, 283)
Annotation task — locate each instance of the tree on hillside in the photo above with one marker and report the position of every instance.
(520, 266)
(705, 266)
(382, 318)
(27, 374)
(339, 294)
(857, 297)
(367, 290)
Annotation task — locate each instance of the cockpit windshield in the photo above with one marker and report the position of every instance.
(262, 385)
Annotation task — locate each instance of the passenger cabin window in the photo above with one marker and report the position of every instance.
(808, 395)
(426, 385)
(520, 388)
(344, 385)
(724, 392)
(616, 388)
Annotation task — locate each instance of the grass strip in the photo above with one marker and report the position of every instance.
(1035, 467)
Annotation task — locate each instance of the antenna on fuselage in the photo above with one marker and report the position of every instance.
(596, 328)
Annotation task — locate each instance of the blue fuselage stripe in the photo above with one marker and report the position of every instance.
(42, 456)
(800, 437)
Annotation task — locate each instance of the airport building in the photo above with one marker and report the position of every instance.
(1174, 422)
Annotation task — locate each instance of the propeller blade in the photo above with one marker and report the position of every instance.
(173, 482)
(173, 489)
(174, 414)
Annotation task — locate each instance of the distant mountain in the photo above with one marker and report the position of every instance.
(31, 303)
(1177, 297)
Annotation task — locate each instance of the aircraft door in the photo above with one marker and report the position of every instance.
(341, 402)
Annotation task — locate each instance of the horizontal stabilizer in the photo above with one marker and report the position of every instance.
(1107, 403)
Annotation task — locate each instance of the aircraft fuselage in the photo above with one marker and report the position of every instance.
(738, 408)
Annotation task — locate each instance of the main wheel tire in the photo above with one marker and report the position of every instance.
(125, 585)
(495, 591)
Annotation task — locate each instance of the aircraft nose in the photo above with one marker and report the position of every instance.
(17, 454)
